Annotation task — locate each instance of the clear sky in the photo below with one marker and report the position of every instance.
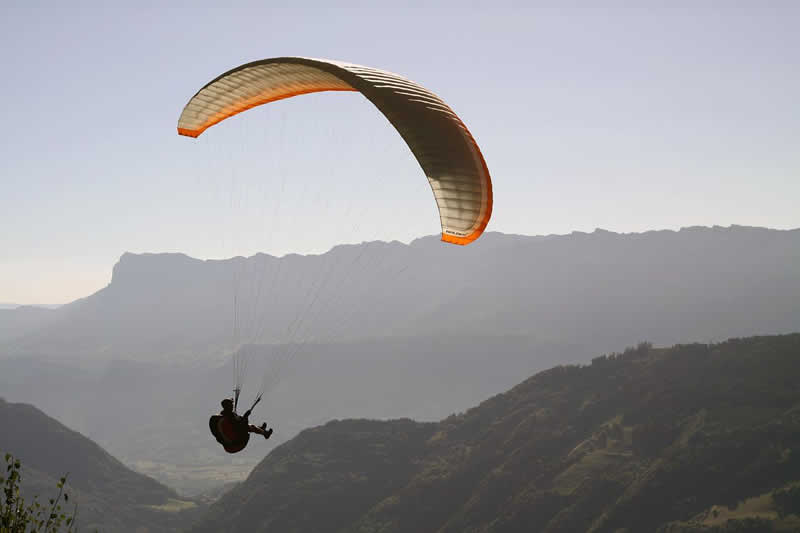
(623, 118)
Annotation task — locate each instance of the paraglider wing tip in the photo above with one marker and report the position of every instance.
(463, 241)
(189, 133)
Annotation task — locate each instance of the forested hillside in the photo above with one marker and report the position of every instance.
(690, 438)
(109, 496)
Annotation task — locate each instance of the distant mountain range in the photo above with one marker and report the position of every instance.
(694, 438)
(109, 496)
(377, 330)
(601, 290)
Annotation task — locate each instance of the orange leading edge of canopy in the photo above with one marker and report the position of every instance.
(443, 146)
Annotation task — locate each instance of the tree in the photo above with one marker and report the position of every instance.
(16, 517)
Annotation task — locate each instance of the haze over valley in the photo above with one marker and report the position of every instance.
(145, 358)
(397, 268)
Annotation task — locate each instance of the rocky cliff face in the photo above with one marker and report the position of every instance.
(600, 291)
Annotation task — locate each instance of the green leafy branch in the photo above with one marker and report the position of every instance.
(17, 517)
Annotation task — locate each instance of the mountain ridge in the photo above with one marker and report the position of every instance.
(109, 496)
(187, 305)
(408, 325)
(644, 440)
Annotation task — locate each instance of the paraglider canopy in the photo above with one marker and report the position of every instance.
(441, 143)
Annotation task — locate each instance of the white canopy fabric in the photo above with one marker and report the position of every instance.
(441, 143)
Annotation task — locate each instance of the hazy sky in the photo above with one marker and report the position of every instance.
(622, 118)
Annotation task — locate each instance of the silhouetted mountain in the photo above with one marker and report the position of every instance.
(420, 330)
(600, 290)
(154, 417)
(678, 439)
(109, 496)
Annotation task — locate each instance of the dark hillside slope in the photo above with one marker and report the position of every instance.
(633, 442)
(110, 496)
(325, 477)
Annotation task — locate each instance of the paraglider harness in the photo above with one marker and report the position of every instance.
(230, 429)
